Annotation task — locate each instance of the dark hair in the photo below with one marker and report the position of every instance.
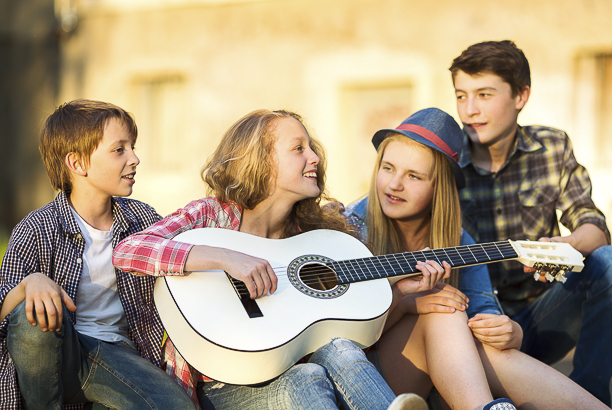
(77, 126)
(502, 58)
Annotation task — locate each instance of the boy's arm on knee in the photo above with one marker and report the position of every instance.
(44, 299)
(12, 299)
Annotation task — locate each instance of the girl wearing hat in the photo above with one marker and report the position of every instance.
(267, 179)
(413, 204)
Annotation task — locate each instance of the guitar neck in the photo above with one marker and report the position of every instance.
(387, 266)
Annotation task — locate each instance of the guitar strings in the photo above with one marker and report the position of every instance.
(475, 254)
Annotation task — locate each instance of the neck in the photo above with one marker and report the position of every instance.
(414, 234)
(493, 157)
(96, 211)
(267, 220)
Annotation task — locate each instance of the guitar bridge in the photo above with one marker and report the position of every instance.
(250, 306)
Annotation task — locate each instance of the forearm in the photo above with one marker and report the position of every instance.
(588, 237)
(12, 299)
(202, 257)
(151, 255)
(517, 336)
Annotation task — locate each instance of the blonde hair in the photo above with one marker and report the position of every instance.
(445, 223)
(77, 126)
(242, 170)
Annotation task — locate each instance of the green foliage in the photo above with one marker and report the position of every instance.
(3, 243)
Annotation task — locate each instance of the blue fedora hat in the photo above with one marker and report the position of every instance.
(436, 129)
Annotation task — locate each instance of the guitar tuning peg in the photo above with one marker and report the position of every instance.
(538, 266)
(549, 277)
(560, 276)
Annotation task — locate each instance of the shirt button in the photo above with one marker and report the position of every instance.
(161, 272)
(499, 211)
(79, 260)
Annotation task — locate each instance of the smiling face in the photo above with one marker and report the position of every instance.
(404, 182)
(296, 162)
(112, 165)
(487, 107)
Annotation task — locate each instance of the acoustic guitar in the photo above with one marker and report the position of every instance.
(329, 285)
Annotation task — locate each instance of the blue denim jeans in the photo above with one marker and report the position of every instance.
(576, 313)
(65, 367)
(337, 373)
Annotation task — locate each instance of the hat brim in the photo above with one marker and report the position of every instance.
(381, 135)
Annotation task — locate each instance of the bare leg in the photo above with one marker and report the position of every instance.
(532, 384)
(436, 348)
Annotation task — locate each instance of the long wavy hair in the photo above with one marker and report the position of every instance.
(445, 224)
(242, 170)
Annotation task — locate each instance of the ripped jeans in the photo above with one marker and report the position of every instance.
(337, 374)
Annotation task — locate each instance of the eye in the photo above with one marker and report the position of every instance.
(460, 97)
(299, 148)
(119, 150)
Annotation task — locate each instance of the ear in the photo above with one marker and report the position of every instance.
(522, 97)
(75, 165)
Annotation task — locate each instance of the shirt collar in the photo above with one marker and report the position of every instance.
(525, 142)
(122, 215)
(69, 223)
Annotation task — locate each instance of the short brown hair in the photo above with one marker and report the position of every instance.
(77, 126)
(502, 58)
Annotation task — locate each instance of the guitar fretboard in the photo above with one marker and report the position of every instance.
(384, 266)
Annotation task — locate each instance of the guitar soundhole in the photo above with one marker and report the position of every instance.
(311, 275)
(318, 277)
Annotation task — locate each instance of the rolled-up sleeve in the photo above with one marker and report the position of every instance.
(153, 250)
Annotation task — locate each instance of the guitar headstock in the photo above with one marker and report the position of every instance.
(554, 259)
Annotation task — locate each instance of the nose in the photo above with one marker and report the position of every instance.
(396, 182)
(134, 160)
(471, 106)
(313, 158)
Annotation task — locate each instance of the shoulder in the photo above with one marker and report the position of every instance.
(466, 238)
(358, 208)
(549, 137)
(43, 220)
(355, 214)
(210, 212)
(137, 211)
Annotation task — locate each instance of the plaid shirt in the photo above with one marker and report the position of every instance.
(49, 241)
(153, 252)
(520, 200)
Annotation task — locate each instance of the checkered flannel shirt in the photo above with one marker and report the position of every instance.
(49, 241)
(520, 200)
(153, 252)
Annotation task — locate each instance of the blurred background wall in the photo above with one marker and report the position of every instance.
(188, 69)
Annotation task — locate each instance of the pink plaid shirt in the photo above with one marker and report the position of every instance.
(153, 252)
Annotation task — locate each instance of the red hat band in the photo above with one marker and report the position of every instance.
(430, 136)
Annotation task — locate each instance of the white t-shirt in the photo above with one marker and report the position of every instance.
(99, 311)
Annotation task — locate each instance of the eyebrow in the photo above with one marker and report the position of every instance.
(408, 171)
(487, 88)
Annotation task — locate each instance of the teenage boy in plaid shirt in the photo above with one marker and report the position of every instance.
(516, 179)
(74, 329)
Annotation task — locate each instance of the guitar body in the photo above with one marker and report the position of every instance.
(210, 327)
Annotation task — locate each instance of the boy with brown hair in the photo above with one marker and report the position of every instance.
(516, 179)
(73, 329)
